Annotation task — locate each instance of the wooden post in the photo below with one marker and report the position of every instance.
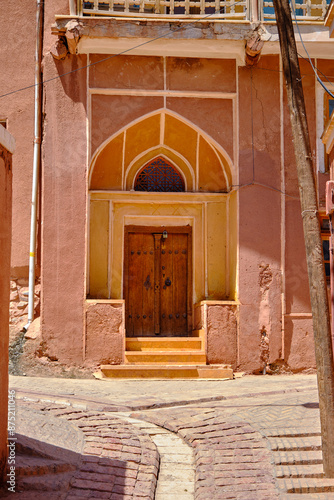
(312, 236)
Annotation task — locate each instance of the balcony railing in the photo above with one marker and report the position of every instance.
(305, 10)
(262, 10)
(225, 9)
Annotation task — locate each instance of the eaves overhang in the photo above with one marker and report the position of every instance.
(187, 38)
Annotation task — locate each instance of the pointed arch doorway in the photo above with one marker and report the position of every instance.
(158, 264)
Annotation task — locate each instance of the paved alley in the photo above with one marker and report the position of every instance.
(253, 438)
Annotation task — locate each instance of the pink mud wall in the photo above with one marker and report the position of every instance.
(270, 239)
(5, 246)
(19, 17)
(298, 330)
(64, 209)
(18, 53)
(271, 236)
(105, 340)
(222, 340)
(259, 214)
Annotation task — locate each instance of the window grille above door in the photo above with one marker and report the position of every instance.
(159, 175)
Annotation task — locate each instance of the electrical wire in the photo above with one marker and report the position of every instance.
(236, 187)
(315, 69)
(167, 33)
(301, 39)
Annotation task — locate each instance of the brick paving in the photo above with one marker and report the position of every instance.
(263, 445)
(232, 459)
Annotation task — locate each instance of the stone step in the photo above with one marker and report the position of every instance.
(294, 432)
(28, 465)
(306, 485)
(165, 371)
(306, 470)
(46, 482)
(163, 343)
(199, 333)
(298, 458)
(310, 496)
(165, 357)
(301, 443)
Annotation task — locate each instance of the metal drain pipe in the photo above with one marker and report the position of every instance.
(36, 158)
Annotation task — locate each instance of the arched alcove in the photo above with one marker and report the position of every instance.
(162, 172)
(204, 164)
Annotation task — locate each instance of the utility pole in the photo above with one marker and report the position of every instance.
(312, 235)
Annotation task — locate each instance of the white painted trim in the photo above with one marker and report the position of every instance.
(169, 47)
(123, 159)
(145, 196)
(165, 81)
(223, 169)
(162, 129)
(208, 138)
(157, 220)
(163, 93)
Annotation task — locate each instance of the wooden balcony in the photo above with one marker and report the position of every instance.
(245, 10)
(178, 8)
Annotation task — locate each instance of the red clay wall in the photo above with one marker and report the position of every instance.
(16, 53)
(105, 338)
(222, 334)
(259, 213)
(271, 247)
(5, 247)
(64, 209)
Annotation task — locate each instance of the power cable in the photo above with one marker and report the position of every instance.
(167, 33)
(315, 72)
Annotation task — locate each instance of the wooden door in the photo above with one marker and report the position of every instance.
(157, 282)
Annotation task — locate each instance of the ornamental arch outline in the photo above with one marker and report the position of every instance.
(189, 171)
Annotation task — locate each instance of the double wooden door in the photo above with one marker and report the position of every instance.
(157, 281)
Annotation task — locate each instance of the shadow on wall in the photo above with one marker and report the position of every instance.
(48, 471)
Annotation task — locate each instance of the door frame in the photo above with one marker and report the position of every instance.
(157, 230)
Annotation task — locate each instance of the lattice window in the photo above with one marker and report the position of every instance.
(159, 175)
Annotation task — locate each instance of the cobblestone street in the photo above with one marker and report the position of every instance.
(253, 438)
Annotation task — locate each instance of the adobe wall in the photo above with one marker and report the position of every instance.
(259, 214)
(271, 282)
(105, 335)
(6, 141)
(64, 209)
(19, 60)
